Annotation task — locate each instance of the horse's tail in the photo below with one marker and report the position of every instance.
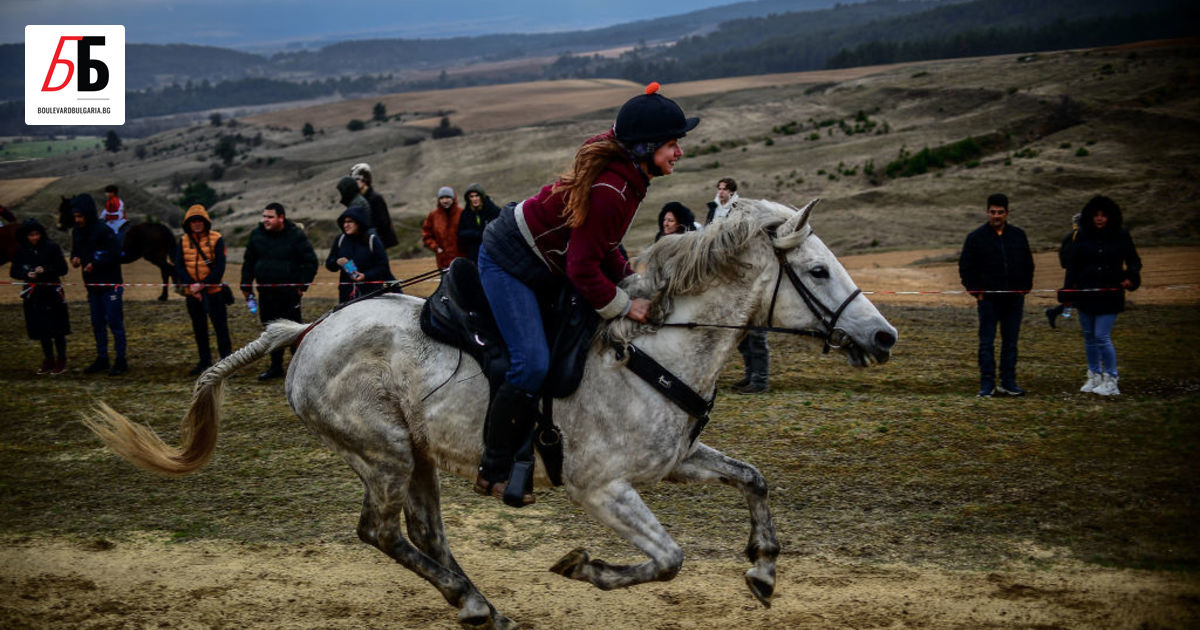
(139, 444)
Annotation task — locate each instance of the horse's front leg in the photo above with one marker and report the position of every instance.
(163, 270)
(708, 465)
(619, 506)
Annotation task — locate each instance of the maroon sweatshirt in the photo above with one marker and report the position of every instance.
(588, 255)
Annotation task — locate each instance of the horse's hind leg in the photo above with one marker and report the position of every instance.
(395, 480)
(708, 465)
(620, 507)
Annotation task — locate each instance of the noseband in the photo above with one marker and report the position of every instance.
(815, 305)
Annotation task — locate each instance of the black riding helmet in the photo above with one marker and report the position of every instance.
(648, 120)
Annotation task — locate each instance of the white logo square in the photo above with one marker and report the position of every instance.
(74, 75)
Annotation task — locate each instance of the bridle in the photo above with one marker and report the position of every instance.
(832, 336)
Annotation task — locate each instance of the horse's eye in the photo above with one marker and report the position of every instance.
(819, 272)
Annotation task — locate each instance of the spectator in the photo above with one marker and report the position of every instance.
(39, 262)
(724, 201)
(996, 267)
(1064, 256)
(378, 218)
(362, 248)
(570, 231)
(199, 269)
(479, 212)
(440, 229)
(114, 209)
(95, 248)
(755, 351)
(675, 218)
(1104, 260)
(283, 262)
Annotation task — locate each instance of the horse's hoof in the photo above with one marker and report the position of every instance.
(569, 565)
(763, 587)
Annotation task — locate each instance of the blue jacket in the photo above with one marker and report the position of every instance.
(366, 250)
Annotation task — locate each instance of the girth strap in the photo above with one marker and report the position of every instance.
(668, 385)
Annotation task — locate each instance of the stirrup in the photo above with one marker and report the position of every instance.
(496, 489)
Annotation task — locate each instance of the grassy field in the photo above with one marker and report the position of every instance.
(12, 149)
(898, 462)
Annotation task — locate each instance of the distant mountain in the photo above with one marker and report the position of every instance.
(891, 30)
(156, 66)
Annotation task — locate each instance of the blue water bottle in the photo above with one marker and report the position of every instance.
(350, 267)
(252, 304)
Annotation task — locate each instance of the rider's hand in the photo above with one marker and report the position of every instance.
(639, 310)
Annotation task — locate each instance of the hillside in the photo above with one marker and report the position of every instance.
(1130, 128)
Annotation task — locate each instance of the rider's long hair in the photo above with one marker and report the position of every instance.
(575, 185)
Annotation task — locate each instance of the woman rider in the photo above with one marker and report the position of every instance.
(570, 231)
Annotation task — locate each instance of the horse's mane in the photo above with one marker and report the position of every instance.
(689, 263)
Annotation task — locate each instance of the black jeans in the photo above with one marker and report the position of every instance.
(213, 306)
(1005, 310)
(278, 303)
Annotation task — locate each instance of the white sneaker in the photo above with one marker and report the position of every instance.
(1093, 381)
(1107, 386)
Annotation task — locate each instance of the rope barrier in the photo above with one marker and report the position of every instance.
(435, 276)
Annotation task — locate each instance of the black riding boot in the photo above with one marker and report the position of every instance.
(509, 421)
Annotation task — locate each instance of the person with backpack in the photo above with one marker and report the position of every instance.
(358, 255)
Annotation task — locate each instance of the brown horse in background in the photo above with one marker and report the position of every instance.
(8, 235)
(153, 241)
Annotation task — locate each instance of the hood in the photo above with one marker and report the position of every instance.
(85, 205)
(1100, 203)
(348, 187)
(682, 213)
(475, 188)
(359, 214)
(30, 225)
(197, 211)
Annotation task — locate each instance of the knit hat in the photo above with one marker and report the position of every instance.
(653, 118)
(445, 191)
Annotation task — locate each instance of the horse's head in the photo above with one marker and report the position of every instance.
(812, 291)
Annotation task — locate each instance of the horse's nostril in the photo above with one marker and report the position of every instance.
(885, 340)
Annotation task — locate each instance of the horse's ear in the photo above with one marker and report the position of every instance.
(791, 233)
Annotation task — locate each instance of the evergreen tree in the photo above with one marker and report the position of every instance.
(379, 112)
(308, 131)
(197, 192)
(112, 142)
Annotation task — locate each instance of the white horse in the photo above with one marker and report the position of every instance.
(399, 406)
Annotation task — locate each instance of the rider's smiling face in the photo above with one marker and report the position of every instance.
(667, 155)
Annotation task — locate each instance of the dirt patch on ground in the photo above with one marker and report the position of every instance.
(14, 191)
(210, 585)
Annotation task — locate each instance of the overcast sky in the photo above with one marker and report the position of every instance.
(254, 23)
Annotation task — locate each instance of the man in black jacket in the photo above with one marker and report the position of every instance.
(996, 267)
(280, 257)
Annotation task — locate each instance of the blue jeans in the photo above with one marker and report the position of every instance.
(1097, 341)
(106, 309)
(519, 318)
(1006, 310)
